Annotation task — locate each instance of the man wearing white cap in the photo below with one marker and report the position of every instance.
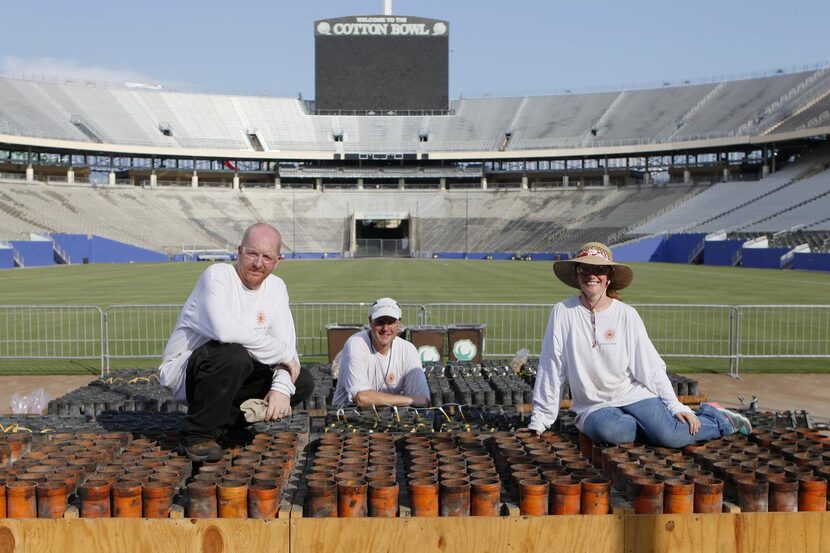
(619, 387)
(380, 368)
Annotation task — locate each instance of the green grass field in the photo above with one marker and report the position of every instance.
(414, 281)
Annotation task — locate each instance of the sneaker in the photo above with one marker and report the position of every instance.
(739, 422)
(204, 451)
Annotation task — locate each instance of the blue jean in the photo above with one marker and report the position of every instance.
(652, 421)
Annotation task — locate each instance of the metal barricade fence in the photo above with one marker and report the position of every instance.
(310, 320)
(138, 331)
(774, 331)
(677, 330)
(51, 332)
(510, 326)
(142, 331)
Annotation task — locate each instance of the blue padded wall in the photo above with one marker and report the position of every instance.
(6, 258)
(546, 256)
(639, 251)
(721, 252)
(104, 250)
(677, 248)
(762, 258)
(812, 261)
(76, 246)
(35, 253)
(313, 255)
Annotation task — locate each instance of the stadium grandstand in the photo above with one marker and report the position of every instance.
(173, 173)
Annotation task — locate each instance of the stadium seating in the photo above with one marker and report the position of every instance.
(170, 219)
(506, 218)
(765, 205)
(129, 116)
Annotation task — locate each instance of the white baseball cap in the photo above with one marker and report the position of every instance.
(385, 307)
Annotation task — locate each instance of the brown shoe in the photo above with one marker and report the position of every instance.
(206, 451)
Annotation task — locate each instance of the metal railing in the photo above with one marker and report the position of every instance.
(773, 331)
(703, 331)
(138, 331)
(310, 320)
(52, 332)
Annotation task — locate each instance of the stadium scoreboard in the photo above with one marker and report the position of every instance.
(381, 63)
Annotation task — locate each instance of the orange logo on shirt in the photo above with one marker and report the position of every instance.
(260, 318)
(390, 379)
(610, 334)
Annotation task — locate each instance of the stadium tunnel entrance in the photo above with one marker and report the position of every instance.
(381, 235)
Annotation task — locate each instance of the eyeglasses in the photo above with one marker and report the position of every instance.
(586, 269)
(251, 254)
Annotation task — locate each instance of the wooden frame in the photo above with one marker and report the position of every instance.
(725, 533)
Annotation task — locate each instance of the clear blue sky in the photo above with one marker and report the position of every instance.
(497, 47)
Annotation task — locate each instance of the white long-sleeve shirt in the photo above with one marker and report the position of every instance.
(221, 308)
(623, 369)
(362, 368)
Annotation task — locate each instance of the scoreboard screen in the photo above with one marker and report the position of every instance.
(381, 63)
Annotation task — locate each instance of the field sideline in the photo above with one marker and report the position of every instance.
(415, 281)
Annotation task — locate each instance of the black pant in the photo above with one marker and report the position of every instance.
(219, 378)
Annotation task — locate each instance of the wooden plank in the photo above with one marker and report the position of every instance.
(725, 533)
(728, 533)
(782, 532)
(142, 535)
(594, 534)
(679, 533)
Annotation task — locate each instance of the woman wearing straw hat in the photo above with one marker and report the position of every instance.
(619, 388)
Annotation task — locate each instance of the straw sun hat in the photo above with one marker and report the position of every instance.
(594, 253)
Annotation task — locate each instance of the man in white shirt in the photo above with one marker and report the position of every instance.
(619, 388)
(380, 368)
(234, 341)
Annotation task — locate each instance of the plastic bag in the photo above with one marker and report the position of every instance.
(335, 365)
(519, 360)
(32, 404)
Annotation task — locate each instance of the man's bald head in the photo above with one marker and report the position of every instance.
(259, 254)
(259, 231)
